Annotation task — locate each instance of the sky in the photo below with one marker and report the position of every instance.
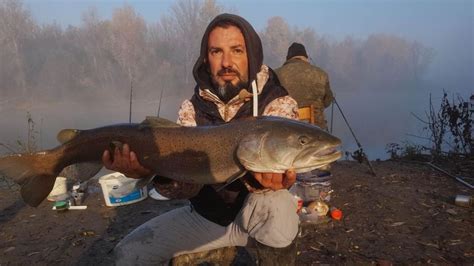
(410, 18)
(444, 25)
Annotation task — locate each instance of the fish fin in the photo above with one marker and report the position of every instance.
(82, 171)
(231, 180)
(66, 135)
(37, 188)
(32, 172)
(154, 121)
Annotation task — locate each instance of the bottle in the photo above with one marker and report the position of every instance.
(463, 200)
(61, 205)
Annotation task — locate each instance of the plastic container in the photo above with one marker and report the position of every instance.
(464, 200)
(318, 207)
(307, 216)
(61, 205)
(59, 191)
(313, 186)
(78, 192)
(120, 190)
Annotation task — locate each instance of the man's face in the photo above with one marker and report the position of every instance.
(228, 62)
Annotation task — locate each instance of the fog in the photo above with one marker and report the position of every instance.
(77, 73)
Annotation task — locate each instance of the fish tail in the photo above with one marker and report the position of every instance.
(34, 172)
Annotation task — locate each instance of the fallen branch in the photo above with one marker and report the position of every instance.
(7, 147)
(459, 179)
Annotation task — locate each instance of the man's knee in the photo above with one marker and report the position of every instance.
(123, 256)
(120, 255)
(137, 249)
(271, 218)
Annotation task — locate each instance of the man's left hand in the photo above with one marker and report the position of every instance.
(276, 181)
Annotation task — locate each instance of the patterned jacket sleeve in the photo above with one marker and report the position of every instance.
(284, 107)
(186, 114)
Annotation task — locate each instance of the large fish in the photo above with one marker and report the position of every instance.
(203, 154)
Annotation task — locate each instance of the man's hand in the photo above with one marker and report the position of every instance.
(125, 162)
(276, 181)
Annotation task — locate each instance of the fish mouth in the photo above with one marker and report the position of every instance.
(328, 151)
(315, 160)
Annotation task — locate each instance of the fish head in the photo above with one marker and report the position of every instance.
(277, 147)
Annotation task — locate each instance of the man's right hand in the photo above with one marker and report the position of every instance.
(125, 162)
(276, 181)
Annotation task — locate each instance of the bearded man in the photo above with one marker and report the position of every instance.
(256, 208)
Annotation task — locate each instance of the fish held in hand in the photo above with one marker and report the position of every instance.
(202, 155)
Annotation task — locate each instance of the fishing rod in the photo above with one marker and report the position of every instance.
(159, 103)
(359, 154)
(332, 116)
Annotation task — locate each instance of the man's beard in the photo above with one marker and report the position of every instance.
(228, 91)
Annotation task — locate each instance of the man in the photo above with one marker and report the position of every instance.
(257, 207)
(307, 84)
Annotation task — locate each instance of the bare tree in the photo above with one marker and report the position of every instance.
(101, 55)
(16, 26)
(344, 63)
(192, 17)
(94, 39)
(421, 58)
(128, 43)
(183, 29)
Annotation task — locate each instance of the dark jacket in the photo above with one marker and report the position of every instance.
(308, 85)
(206, 111)
(222, 207)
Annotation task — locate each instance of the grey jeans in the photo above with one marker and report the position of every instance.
(270, 218)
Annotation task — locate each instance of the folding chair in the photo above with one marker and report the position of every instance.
(306, 113)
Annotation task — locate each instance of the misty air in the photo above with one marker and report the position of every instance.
(380, 171)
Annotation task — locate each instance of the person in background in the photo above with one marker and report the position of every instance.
(256, 208)
(307, 84)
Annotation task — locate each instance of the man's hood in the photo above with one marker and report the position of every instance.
(252, 43)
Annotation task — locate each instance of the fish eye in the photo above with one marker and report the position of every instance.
(303, 140)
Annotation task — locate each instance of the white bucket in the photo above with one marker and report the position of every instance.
(120, 190)
(59, 191)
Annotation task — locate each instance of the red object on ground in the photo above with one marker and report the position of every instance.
(336, 214)
(300, 204)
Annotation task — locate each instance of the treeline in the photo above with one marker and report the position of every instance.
(107, 56)
(379, 62)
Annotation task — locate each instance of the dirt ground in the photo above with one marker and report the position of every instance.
(405, 215)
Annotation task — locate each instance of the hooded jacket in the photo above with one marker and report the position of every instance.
(207, 112)
(205, 108)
